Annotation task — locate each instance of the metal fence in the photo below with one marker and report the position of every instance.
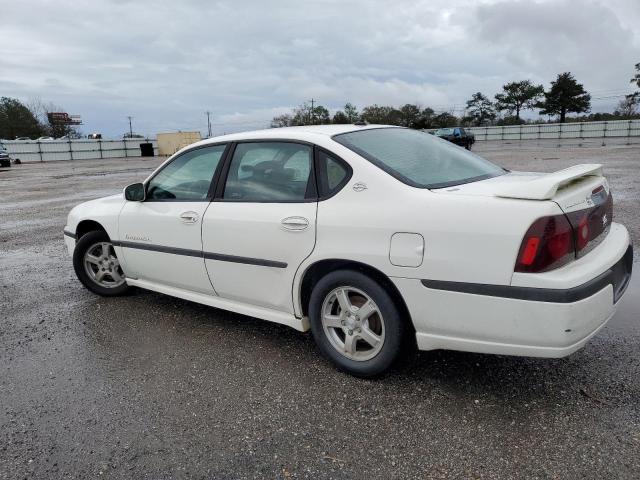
(81, 149)
(558, 131)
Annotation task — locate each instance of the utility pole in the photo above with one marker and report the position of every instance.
(130, 129)
(312, 113)
(208, 123)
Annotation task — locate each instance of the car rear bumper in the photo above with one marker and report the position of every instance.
(514, 320)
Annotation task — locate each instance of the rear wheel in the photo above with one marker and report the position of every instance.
(355, 323)
(97, 266)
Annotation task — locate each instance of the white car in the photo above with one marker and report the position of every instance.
(376, 238)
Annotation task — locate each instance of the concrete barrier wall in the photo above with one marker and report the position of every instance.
(81, 149)
(558, 131)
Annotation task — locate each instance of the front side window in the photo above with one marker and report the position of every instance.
(417, 158)
(269, 172)
(188, 177)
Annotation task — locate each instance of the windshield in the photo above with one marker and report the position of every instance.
(444, 131)
(417, 158)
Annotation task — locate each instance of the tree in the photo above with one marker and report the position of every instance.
(636, 78)
(340, 118)
(284, 120)
(565, 95)
(410, 115)
(426, 118)
(480, 110)
(444, 120)
(376, 113)
(518, 96)
(16, 120)
(628, 107)
(351, 112)
(305, 115)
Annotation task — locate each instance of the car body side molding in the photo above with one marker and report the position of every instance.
(618, 276)
(198, 253)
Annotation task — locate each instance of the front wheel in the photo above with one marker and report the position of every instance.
(97, 265)
(356, 323)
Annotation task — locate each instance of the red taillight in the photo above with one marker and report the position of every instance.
(547, 244)
(582, 232)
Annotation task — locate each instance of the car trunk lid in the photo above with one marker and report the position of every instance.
(580, 191)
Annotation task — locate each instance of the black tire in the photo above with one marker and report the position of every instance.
(468, 146)
(85, 242)
(394, 326)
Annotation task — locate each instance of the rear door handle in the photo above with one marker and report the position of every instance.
(295, 223)
(189, 217)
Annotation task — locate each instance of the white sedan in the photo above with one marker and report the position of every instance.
(376, 238)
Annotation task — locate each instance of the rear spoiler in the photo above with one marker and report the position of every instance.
(545, 186)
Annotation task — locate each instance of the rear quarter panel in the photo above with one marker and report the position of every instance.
(467, 238)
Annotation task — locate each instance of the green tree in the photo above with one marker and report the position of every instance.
(518, 96)
(426, 118)
(305, 115)
(376, 113)
(565, 95)
(340, 118)
(480, 110)
(16, 120)
(410, 115)
(445, 119)
(351, 112)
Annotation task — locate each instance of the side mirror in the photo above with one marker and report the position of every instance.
(135, 192)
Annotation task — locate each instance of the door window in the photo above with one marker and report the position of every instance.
(188, 177)
(269, 172)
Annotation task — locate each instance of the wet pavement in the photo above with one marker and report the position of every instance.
(148, 386)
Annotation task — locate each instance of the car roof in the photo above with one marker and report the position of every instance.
(304, 133)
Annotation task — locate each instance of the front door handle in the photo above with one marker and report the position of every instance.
(189, 217)
(295, 223)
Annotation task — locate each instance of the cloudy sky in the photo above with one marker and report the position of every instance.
(166, 62)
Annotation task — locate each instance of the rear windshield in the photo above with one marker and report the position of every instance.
(417, 158)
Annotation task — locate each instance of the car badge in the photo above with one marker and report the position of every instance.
(359, 187)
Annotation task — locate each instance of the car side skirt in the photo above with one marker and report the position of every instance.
(270, 315)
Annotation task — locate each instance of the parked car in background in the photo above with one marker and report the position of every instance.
(374, 237)
(23, 138)
(5, 160)
(45, 139)
(457, 135)
(95, 136)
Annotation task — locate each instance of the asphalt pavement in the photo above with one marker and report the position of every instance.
(149, 386)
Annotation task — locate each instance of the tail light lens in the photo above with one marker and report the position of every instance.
(554, 241)
(548, 244)
(592, 224)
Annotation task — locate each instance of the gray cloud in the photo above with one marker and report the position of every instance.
(167, 62)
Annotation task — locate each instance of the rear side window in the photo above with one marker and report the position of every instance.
(332, 174)
(417, 158)
(269, 172)
(188, 177)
